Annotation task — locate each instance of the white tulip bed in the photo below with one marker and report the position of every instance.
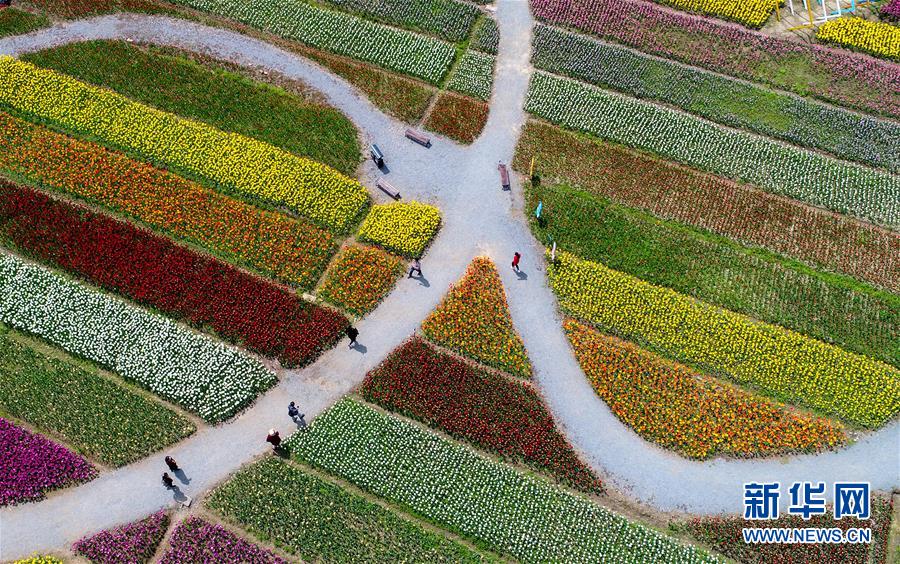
(474, 75)
(345, 34)
(773, 166)
(512, 512)
(190, 369)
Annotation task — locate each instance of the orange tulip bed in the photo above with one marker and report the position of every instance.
(673, 406)
(360, 278)
(271, 243)
(496, 413)
(458, 117)
(474, 321)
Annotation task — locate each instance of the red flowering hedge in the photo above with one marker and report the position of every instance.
(498, 414)
(724, 535)
(262, 316)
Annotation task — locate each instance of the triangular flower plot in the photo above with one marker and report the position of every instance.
(134, 542)
(473, 320)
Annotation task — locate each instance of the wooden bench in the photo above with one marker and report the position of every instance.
(504, 176)
(387, 189)
(418, 138)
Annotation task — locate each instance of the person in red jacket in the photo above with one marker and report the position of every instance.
(515, 263)
(274, 438)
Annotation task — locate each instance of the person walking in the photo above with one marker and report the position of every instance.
(295, 414)
(173, 466)
(274, 438)
(352, 334)
(168, 481)
(515, 262)
(416, 267)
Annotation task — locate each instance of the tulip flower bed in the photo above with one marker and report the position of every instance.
(767, 287)
(487, 38)
(320, 522)
(878, 38)
(39, 560)
(834, 75)
(890, 11)
(495, 413)
(458, 117)
(679, 409)
(724, 535)
(786, 365)
(806, 123)
(133, 543)
(515, 514)
(474, 321)
(32, 466)
(448, 19)
(360, 278)
(95, 415)
(17, 22)
(196, 540)
(405, 228)
(210, 94)
(248, 166)
(187, 368)
(264, 317)
(782, 169)
(751, 14)
(712, 203)
(270, 243)
(474, 75)
(394, 49)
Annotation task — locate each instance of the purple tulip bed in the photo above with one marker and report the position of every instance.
(196, 540)
(32, 465)
(891, 11)
(134, 543)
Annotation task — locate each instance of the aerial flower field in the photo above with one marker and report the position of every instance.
(878, 38)
(448, 19)
(405, 228)
(474, 75)
(360, 278)
(752, 14)
(196, 540)
(133, 542)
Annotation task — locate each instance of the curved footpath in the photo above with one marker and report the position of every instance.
(479, 218)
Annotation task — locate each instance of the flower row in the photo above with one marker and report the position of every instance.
(473, 320)
(831, 74)
(890, 11)
(780, 362)
(752, 14)
(187, 368)
(878, 38)
(272, 243)
(267, 318)
(341, 33)
(782, 169)
(360, 278)
(32, 465)
(474, 75)
(712, 203)
(449, 19)
(133, 542)
(403, 228)
(513, 513)
(95, 415)
(196, 540)
(673, 406)
(801, 121)
(320, 522)
(458, 117)
(491, 411)
(487, 38)
(246, 165)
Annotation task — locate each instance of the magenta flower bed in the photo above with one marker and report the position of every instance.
(847, 78)
(133, 543)
(891, 11)
(32, 465)
(196, 540)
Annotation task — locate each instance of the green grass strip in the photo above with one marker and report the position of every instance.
(98, 417)
(315, 519)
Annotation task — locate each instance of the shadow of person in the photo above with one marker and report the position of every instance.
(182, 477)
(177, 494)
(423, 281)
(300, 422)
(522, 275)
(360, 348)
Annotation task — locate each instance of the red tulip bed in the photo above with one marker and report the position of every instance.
(496, 413)
(264, 317)
(724, 535)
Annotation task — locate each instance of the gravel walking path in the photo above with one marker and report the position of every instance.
(479, 218)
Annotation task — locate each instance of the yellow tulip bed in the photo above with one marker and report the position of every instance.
(474, 321)
(360, 278)
(403, 228)
(246, 165)
(878, 38)
(752, 13)
(779, 362)
(695, 415)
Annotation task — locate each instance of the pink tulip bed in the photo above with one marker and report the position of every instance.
(133, 543)
(891, 11)
(32, 465)
(196, 540)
